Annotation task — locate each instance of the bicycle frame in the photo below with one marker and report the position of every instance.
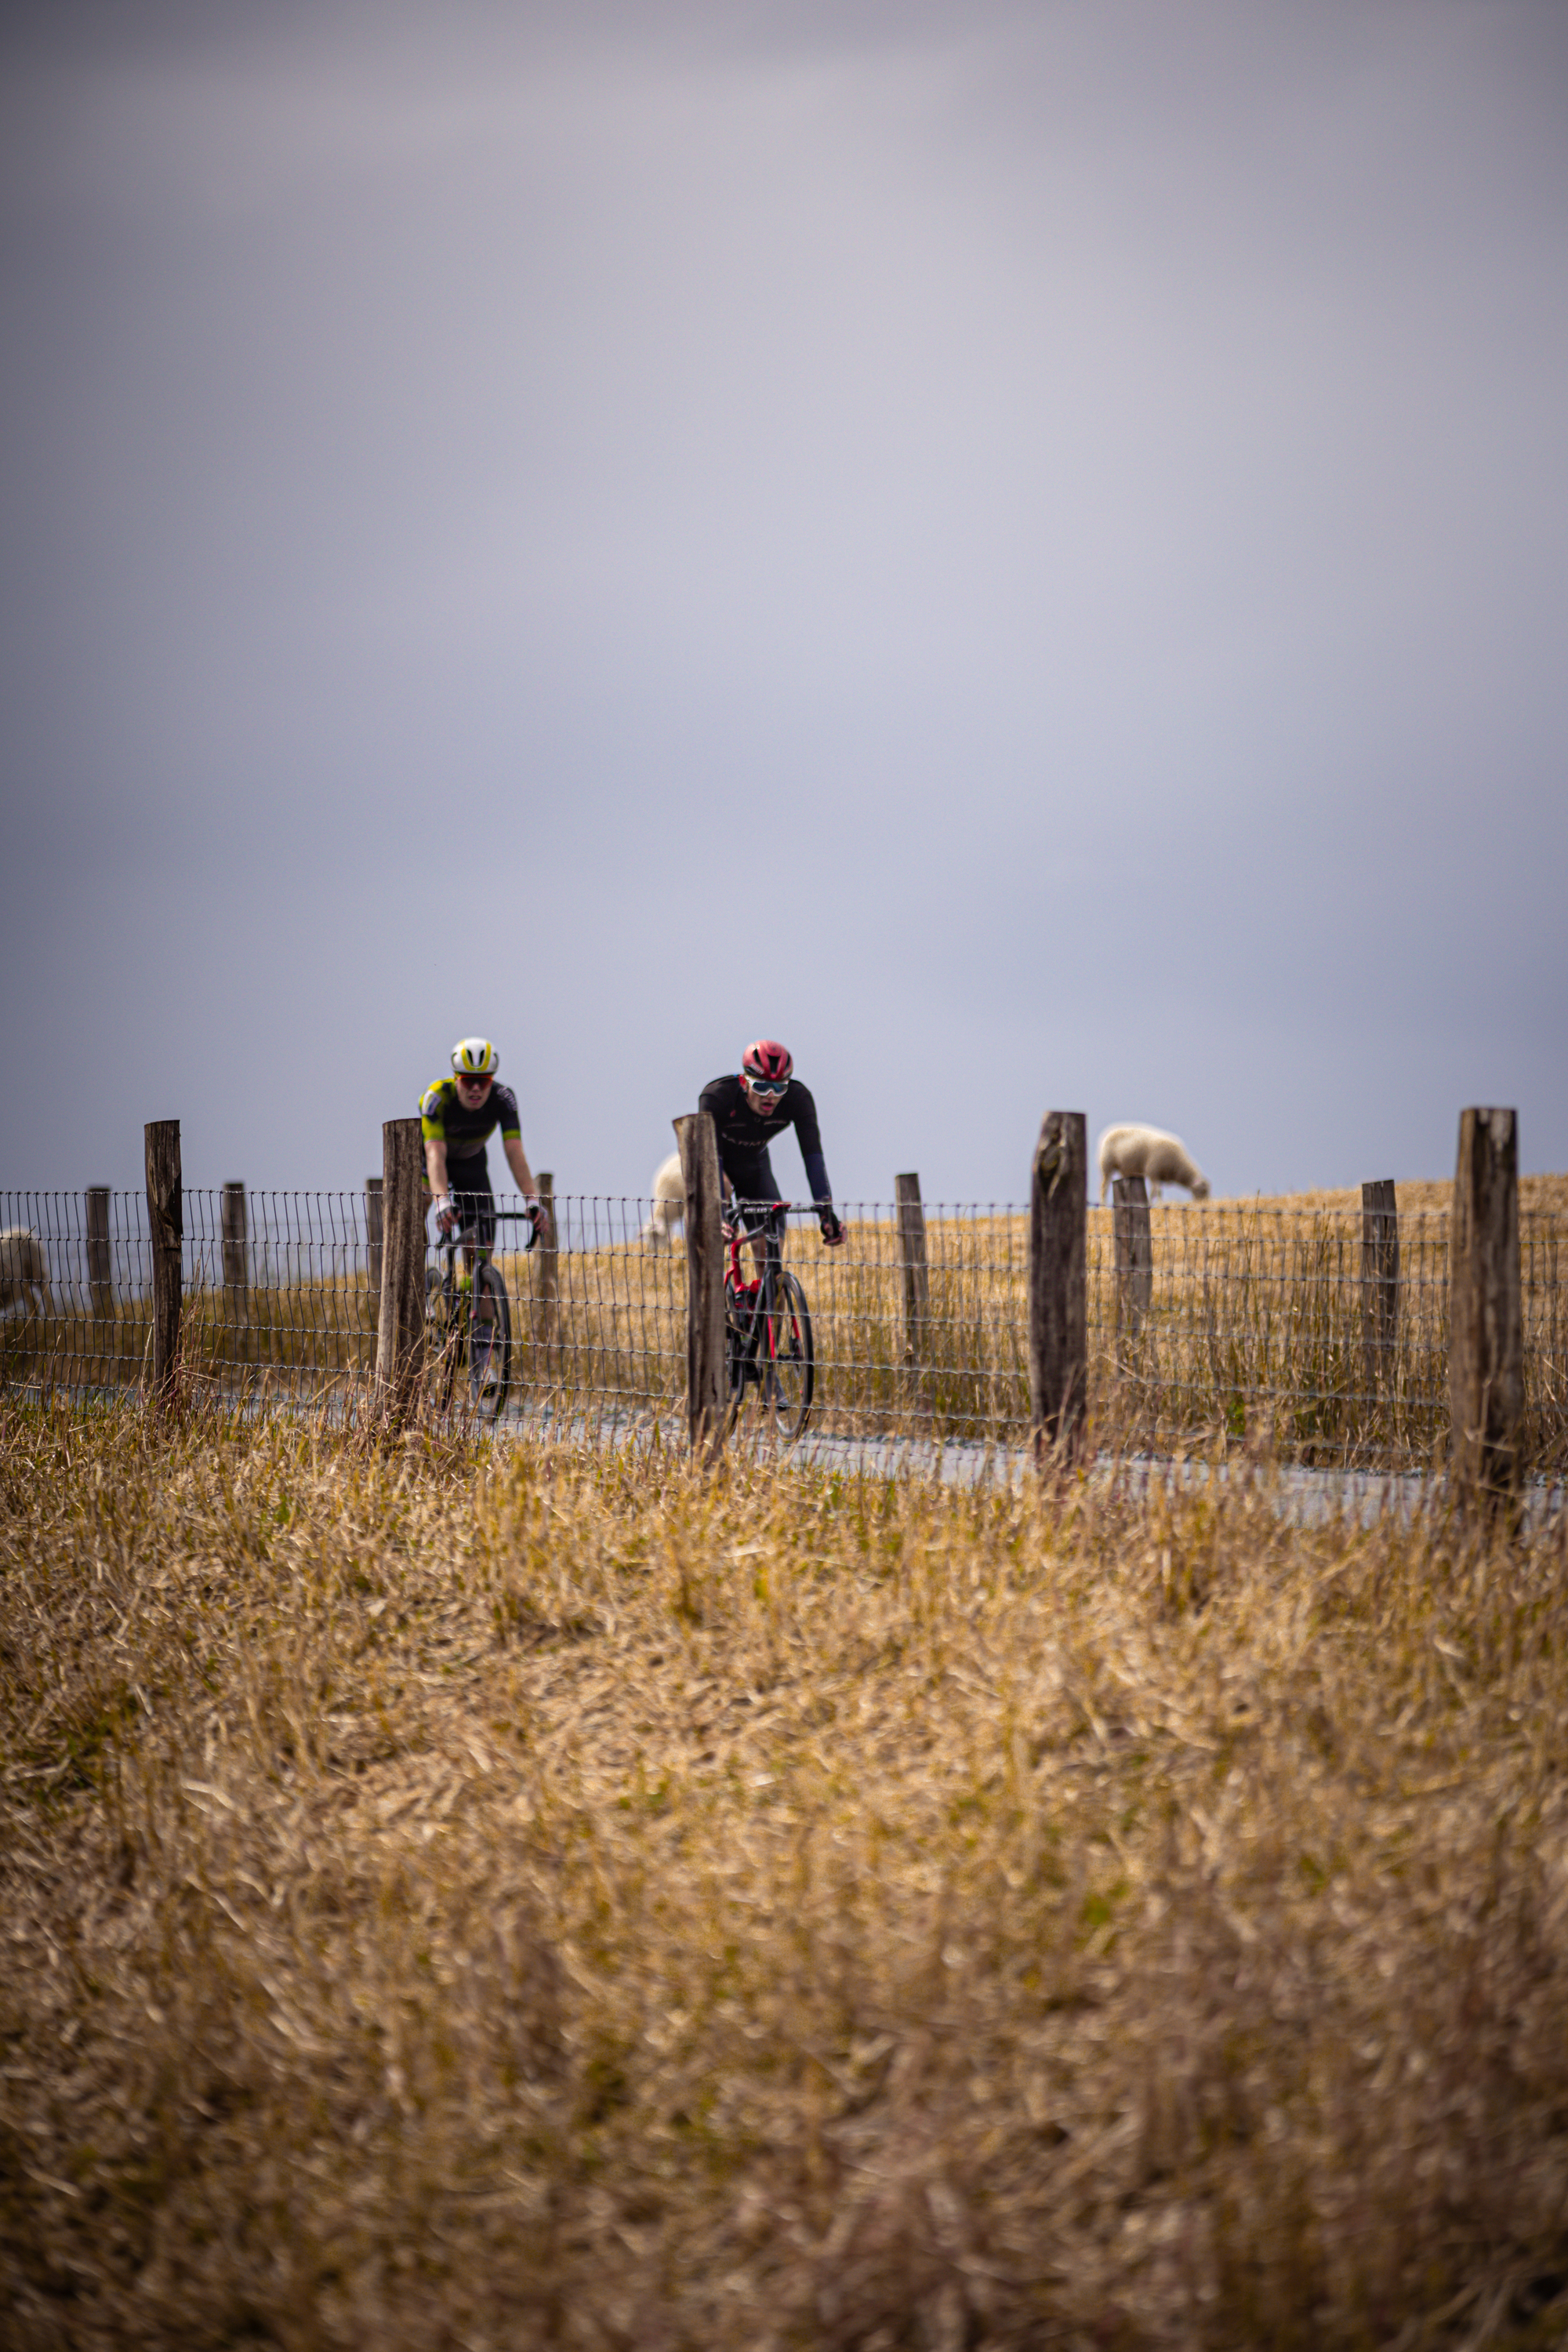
(454, 1301)
(769, 1324)
(739, 1235)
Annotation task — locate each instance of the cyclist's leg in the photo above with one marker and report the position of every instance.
(482, 1219)
(757, 1182)
(476, 1206)
(485, 1319)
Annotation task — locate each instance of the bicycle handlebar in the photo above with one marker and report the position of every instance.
(458, 1234)
(754, 1214)
(772, 1213)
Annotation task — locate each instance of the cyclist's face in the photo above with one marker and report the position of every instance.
(764, 1105)
(471, 1092)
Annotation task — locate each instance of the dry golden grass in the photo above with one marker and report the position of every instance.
(513, 1900)
(1539, 1196)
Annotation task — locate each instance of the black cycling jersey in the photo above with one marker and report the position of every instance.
(744, 1136)
(444, 1118)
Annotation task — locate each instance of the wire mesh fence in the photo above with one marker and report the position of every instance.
(1251, 1323)
(284, 1301)
(285, 1306)
(1248, 1323)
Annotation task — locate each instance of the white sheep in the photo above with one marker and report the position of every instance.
(1148, 1153)
(669, 1203)
(24, 1274)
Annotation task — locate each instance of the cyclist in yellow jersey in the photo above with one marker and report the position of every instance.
(458, 1115)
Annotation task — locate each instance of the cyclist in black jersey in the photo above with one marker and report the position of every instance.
(748, 1108)
(458, 1115)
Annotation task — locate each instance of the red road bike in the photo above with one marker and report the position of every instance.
(768, 1345)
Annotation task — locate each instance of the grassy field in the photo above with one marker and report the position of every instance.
(506, 1900)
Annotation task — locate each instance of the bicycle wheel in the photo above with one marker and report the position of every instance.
(787, 1359)
(443, 1338)
(490, 1343)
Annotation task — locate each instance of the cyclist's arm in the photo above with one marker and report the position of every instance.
(800, 1109)
(522, 1174)
(432, 1127)
(809, 1137)
(833, 1225)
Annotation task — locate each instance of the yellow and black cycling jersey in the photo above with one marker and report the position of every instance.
(444, 1118)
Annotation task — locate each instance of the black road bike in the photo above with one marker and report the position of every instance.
(771, 1363)
(467, 1320)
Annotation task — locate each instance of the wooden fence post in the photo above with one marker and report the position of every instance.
(400, 1330)
(236, 1234)
(99, 1253)
(1059, 1285)
(236, 1270)
(1133, 1245)
(547, 1277)
(705, 1362)
(165, 1224)
(1486, 1370)
(1379, 1280)
(916, 1270)
(372, 1235)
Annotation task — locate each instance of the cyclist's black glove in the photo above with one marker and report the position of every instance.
(832, 1229)
(446, 1219)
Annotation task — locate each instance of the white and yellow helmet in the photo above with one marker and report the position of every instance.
(475, 1058)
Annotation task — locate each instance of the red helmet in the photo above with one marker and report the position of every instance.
(768, 1063)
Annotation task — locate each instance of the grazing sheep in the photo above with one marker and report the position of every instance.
(1148, 1153)
(24, 1275)
(669, 1203)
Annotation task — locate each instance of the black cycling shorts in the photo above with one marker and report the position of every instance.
(470, 1182)
(751, 1177)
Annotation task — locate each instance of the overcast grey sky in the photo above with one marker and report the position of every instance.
(1022, 549)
